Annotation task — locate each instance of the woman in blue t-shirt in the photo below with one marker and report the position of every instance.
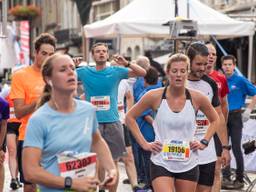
(64, 128)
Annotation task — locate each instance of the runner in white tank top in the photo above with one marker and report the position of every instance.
(166, 124)
(174, 158)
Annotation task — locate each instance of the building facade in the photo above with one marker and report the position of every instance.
(60, 18)
(244, 10)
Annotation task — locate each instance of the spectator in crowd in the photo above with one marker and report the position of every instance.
(155, 64)
(239, 89)
(145, 123)
(125, 102)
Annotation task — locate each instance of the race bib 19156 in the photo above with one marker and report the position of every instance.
(176, 150)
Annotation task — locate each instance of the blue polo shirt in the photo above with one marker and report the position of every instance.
(239, 88)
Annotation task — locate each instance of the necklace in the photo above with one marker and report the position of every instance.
(57, 108)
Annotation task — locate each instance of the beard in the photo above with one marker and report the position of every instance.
(197, 74)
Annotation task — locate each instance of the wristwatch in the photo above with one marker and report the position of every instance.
(228, 147)
(68, 182)
(128, 64)
(204, 142)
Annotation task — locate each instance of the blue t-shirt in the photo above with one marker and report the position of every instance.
(101, 89)
(239, 88)
(4, 109)
(139, 87)
(54, 132)
(146, 128)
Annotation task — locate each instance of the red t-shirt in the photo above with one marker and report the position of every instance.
(221, 81)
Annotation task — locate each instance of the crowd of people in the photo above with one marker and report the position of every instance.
(171, 128)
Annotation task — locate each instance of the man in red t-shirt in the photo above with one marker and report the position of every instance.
(222, 149)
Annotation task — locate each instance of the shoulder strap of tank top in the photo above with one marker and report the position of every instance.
(164, 93)
(189, 97)
(163, 97)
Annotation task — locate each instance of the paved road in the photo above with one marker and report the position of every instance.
(121, 188)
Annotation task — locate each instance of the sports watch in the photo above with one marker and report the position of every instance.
(227, 147)
(204, 142)
(68, 182)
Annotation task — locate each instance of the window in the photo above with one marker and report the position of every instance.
(129, 52)
(136, 51)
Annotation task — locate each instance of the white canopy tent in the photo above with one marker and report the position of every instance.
(145, 18)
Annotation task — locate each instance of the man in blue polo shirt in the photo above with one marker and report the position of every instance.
(239, 88)
(101, 89)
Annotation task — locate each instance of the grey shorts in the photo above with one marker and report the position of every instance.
(114, 136)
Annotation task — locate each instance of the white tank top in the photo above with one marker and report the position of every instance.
(123, 88)
(175, 130)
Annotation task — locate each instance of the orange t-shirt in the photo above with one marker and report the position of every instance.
(27, 84)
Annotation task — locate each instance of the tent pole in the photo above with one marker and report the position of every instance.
(87, 49)
(118, 44)
(85, 46)
(176, 12)
(249, 72)
(188, 13)
(143, 45)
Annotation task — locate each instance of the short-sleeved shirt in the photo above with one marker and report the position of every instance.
(207, 87)
(123, 88)
(146, 128)
(4, 109)
(27, 84)
(239, 88)
(54, 132)
(221, 82)
(138, 88)
(101, 89)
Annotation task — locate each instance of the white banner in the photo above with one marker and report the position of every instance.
(249, 134)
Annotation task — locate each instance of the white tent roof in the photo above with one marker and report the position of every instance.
(162, 59)
(146, 18)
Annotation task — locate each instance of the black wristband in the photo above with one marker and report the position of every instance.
(204, 142)
(128, 64)
(68, 183)
(227, 147)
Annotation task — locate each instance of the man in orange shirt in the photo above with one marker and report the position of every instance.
(27, 86)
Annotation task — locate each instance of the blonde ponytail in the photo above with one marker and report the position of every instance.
(46, 71)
